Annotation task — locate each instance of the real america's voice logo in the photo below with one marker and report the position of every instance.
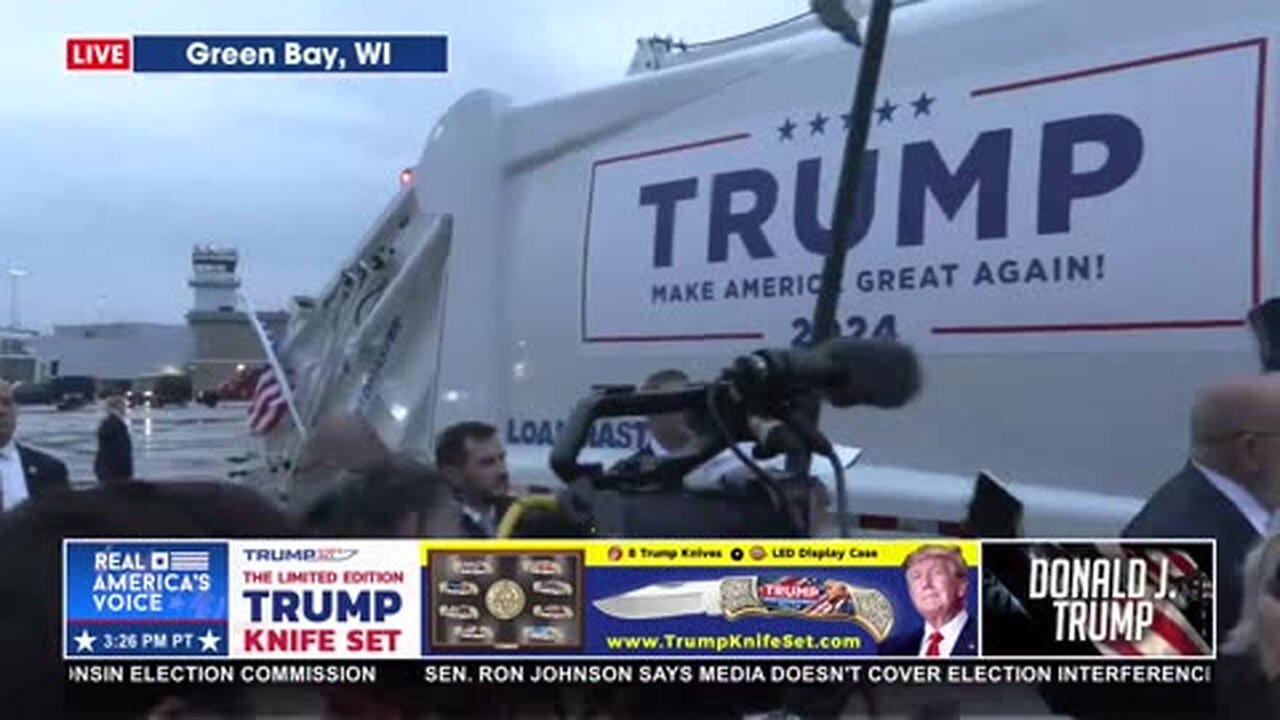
(145, 599)
(292, 54)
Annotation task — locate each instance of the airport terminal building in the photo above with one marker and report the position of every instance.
(114, 351)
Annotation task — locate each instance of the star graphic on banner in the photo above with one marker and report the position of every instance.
(922, 104)
(785, 130)
(818, 125)
(84, 641)
(209, 641)
(885, 111)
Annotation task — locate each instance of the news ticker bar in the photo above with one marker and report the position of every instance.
(325, 54)
(569, 672)
(683, 600)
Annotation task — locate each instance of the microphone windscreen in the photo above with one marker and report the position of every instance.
(882, 373)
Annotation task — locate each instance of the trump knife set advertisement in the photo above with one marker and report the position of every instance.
(216, 609)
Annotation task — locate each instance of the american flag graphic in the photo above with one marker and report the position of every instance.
(268, 407)
(180, 561)
(189, 561)
(1172, 634)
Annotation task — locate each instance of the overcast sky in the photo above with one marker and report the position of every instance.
(106, 182)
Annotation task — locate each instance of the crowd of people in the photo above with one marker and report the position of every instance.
(348, 483)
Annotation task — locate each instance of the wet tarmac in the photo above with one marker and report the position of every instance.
(168, 443)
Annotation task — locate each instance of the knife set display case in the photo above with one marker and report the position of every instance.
(506, 601)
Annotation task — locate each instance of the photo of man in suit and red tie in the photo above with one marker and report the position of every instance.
(938, 583)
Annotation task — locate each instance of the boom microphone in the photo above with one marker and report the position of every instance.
(846, 372)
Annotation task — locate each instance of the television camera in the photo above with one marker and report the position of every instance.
(756, 401)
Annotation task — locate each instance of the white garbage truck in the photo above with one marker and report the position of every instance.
(1066, 208)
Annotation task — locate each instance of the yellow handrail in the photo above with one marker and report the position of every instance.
(518, 508)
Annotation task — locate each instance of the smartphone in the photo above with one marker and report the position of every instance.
(994, 512)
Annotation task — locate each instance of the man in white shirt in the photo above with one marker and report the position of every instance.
(24, 472)
(670, 433)
(938, 582)
(665, 435)
(1230, 487)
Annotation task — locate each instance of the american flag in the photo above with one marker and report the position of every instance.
(268, 407)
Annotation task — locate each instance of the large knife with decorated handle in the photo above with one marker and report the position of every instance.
(745, 596)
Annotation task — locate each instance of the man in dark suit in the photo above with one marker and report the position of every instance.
(24, 472)
(938, 582)
(114, 461)
(1229, 488)
(472, 457)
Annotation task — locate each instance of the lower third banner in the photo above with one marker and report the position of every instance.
(342, 600)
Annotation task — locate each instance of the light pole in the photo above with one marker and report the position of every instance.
(14, 275)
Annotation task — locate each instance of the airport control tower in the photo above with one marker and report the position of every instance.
(225, 342)
(214, 278)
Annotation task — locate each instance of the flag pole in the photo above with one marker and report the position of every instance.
(835, 15)
(285, 389)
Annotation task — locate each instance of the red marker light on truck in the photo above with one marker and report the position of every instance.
(406, 176)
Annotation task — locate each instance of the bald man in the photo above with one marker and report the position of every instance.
(24, 472)
(1230, 487)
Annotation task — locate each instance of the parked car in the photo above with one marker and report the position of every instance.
(70, 392)
(161, 391)
(238, 388)
(33, 394)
